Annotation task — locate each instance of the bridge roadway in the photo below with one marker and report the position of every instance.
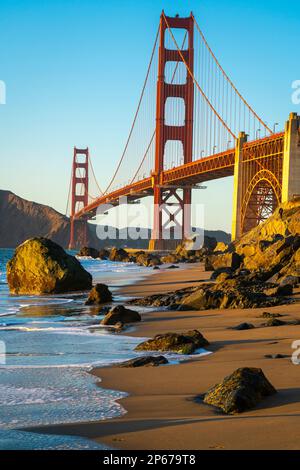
(209, 168)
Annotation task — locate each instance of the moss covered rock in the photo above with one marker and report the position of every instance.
(240, 391)
(181, 343)
(40, 266)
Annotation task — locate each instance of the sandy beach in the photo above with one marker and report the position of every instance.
(164, 410)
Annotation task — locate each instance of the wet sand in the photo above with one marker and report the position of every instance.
(163, 407)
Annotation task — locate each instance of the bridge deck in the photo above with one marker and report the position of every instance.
(210, 168)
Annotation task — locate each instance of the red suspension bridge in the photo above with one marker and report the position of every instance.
(191, 125)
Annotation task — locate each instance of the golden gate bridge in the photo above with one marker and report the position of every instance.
(191, 125)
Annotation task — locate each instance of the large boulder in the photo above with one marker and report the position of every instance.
(120, 314)
(180, 343)
(99, 294)
(88, 251)
(40, 266)
(240, 391)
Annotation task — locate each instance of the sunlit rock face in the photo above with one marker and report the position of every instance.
(40, 266)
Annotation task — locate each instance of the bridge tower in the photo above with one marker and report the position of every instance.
(79, 198)
(291, 159)
(166, 221)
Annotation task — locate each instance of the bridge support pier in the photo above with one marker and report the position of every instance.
(172, 218)
(78, 233)
(236, 231)
(291, 159)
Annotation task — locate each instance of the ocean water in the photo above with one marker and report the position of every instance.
(48, 345)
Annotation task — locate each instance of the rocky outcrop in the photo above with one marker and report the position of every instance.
(270, 251)
(180, 343)
(118, 254)
(240, 391)
(225, 260)
(147, 259)
(231, 293)
(120, 314)
(88, 251)
(40, 266)
(99, 294)
(144, 361)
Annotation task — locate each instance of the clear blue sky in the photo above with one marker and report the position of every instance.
(74, 70)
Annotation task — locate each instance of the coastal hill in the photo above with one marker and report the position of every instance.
(22, 219)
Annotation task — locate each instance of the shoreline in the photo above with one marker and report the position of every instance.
(162, 410)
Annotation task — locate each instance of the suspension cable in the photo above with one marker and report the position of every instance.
(153, 135)
(92, 168)
(194, 79)
(136, 114)
(227, 78)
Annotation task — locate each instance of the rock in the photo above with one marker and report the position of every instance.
(276, 356)
(274, 322)
(181, 343)
(103, 254)
(289, 280)
(118, 254)
(209, 243)
(207, 264)
(270, 315)
(225, 260)
(221, 247)
(232, 293)
(147, 259)
(88, 251)
(99, 294)
(217, 272)
(243, 326)
(40, 266)
(144, 361)
(156, 267)
(171, 258)
(120, 314)
(223, 277)
(240, 391)
(281, 290)
(172, 266)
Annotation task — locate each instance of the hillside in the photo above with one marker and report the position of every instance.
(22, 219)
